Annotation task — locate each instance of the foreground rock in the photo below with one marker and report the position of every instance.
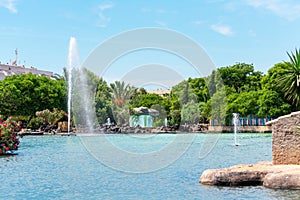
(262, 173)
(289, 179)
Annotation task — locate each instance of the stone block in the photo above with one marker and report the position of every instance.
(286, 139)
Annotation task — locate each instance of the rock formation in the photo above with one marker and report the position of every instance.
(284, 170)
(263, 173)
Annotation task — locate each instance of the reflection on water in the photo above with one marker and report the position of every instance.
(55, 167)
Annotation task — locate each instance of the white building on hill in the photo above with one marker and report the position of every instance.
(9, 70)
(160, 92)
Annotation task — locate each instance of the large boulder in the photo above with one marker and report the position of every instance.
(263, 173)
(283, 180)
(238, 175)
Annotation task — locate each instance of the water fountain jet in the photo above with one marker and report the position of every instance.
(72, 61)
(80, 92)
(236, 122)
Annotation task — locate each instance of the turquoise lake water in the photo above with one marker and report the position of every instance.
(56, 167)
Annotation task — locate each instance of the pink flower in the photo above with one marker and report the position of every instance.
(6, 149)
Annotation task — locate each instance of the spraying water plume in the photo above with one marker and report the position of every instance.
(80, 92)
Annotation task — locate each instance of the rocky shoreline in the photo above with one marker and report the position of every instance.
(125, 129)
(262, 173)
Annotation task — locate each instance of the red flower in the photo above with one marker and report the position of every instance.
(8, 136)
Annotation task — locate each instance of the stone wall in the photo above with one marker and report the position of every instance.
(286, 139)
(242, 129)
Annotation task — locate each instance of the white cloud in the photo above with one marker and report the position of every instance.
(9, 5)
(106, 6)
(222, 29)
(284, 8)
(103, 20)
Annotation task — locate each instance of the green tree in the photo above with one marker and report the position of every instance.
(212, 83)
(241, 77)
(174, 115)
(233, 89)
(270, 80)
(215, 108)
(289, 79)
(10, 98)
(184, 92)
(121, 93)
(190, 113)
(103, 102)
(245, 103)
(27, 93)
(147, 100)
(271, 104)
(134, 99)
(200, 88)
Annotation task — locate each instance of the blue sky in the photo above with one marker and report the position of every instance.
(251, 31)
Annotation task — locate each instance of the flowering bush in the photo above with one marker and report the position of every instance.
(9, 140)
(51, 117)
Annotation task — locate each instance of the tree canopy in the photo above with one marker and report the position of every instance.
(27, 93)
(237, 88)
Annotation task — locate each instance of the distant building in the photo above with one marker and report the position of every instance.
(9, 70)
(160, 92)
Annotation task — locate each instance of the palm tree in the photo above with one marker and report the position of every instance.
(289, 80)
(121, 92)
